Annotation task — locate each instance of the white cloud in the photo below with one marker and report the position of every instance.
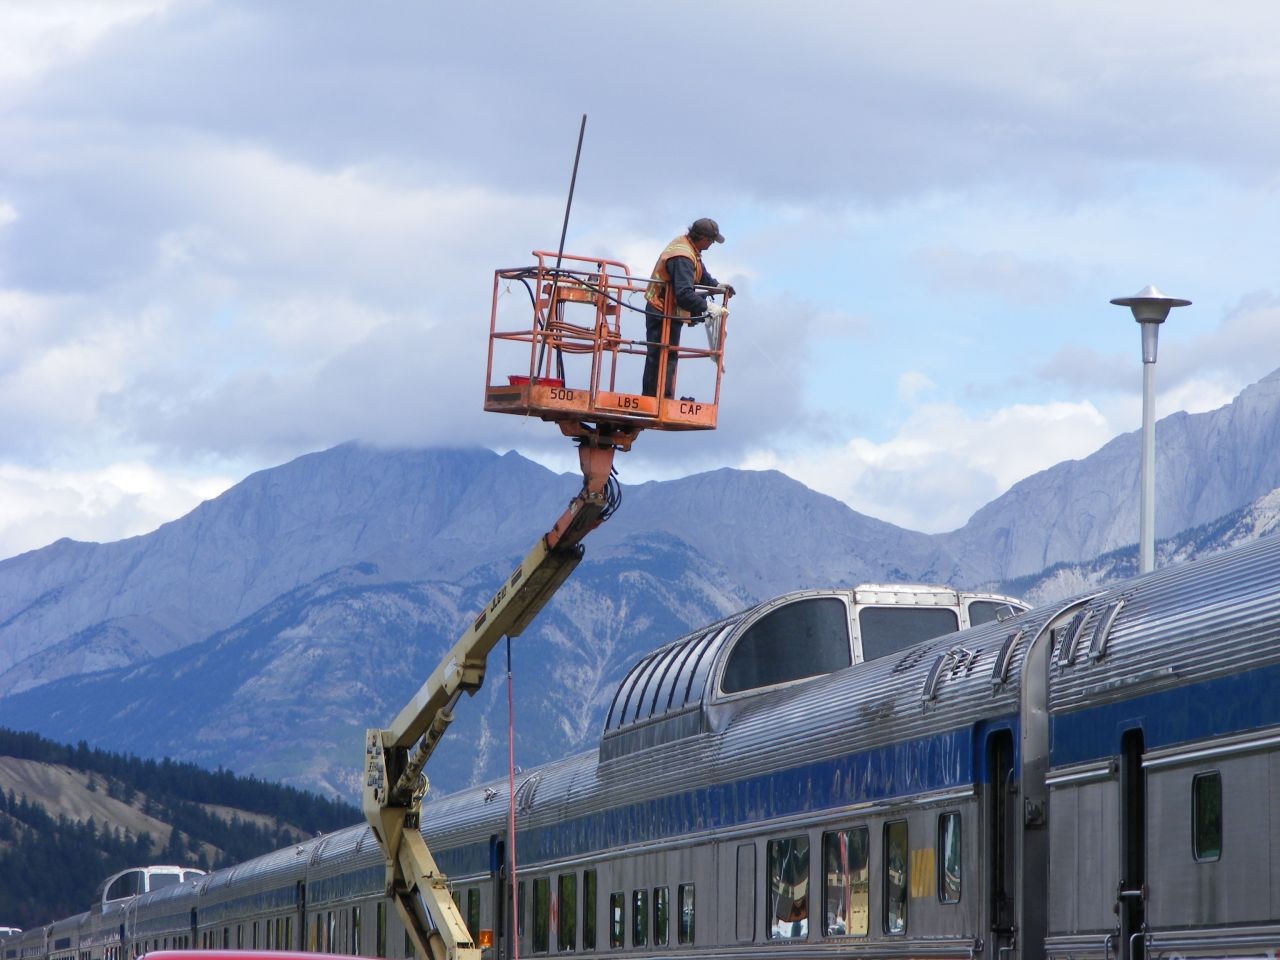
(912, 384)
(38, 36)
(943, 463)
(119, 500)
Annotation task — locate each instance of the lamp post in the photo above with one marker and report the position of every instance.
(1150, 308)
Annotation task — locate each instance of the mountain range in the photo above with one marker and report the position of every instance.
(267, 628)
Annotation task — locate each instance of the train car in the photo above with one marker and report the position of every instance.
(1087, 780)
(1164, 768)
(67, 936)
(28, 945)
(9, 942)
(263, 895)
(109, 932)
(163, 919)
(774, 782)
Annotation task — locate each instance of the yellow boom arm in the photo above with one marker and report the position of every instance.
(394, 758)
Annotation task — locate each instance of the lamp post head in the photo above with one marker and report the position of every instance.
(1149, 305)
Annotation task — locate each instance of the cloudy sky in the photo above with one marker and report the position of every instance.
(235, 232)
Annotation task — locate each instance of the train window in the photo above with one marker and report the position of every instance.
(895, 876)
(677, 683)
(1067, 637)
(1000, 672)
(1206, 816)
(684, 923)
(380, 947)
(541, 914)
(949, 858)
(330, 933)
(639, 917)
(226, 936)
(806, 638)
(253, 942)
(700, 663)
(520, 910)
(288, 933)
(473, 913)
(634, 705)
(126, 885)
(661, 916)
(887, 630)
(789, 888)
(617, 918)
(567, 912)
(1102, 631)
(588, 909)
(988, 611)
(355, 927)
(846, 882)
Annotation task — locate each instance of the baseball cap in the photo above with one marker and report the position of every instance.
(706, 227)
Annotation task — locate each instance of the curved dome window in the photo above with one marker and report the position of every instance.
(127, 884)
(806, 638)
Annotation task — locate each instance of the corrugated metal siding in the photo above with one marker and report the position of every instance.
(1209, 618)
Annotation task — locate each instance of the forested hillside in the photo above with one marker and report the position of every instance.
(71, 816)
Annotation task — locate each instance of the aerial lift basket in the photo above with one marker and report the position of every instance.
(564, 367)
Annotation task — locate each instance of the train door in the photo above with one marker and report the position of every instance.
(302, 921)
(1033, 801)
(1002, 845)
(1132, 893)
(500, 893)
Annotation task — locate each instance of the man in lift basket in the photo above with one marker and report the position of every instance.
(671, 294)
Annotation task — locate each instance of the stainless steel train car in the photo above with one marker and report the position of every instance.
(98, 932)
(810, 778)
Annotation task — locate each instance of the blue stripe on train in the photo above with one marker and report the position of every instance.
(1213, 708)
(939, 762)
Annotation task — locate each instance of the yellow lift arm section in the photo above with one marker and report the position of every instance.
(394, 758)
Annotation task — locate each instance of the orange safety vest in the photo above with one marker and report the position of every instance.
(660, 293)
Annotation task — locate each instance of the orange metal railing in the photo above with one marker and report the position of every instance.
(578, 360)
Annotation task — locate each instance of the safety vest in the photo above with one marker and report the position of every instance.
(660, 293)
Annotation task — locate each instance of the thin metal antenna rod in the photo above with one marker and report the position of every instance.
(573, 180)
(564, 229)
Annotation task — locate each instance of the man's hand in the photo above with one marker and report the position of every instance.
(726, 289)
(715, 311)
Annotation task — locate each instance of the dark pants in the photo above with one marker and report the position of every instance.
(653, 355)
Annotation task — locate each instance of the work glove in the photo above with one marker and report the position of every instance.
(715, 311)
